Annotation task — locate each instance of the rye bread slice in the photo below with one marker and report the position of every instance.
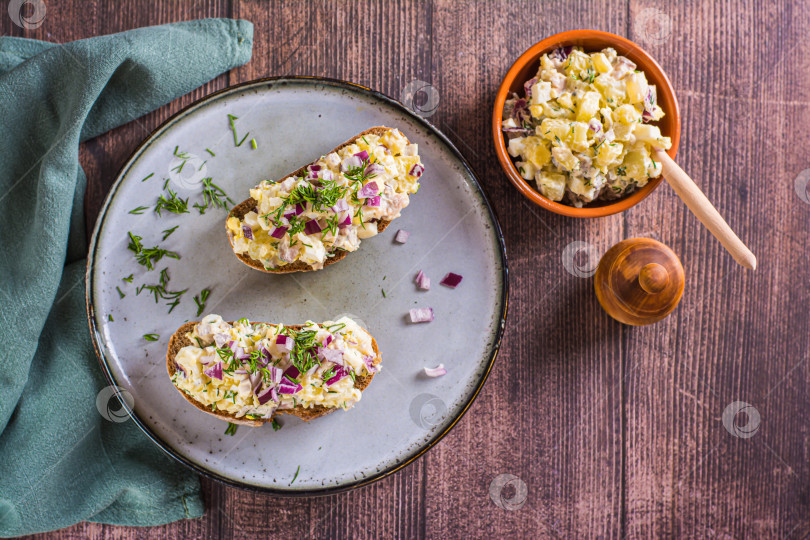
(180, 340)
(248, 204)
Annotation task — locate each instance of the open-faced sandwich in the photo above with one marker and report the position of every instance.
(316, 215)
(245, 372)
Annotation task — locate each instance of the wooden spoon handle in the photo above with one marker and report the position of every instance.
(703, 209)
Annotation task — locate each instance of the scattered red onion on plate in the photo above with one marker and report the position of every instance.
(422, 281)
(402, 236)
(451, 280)
(438, 371)
(421, 315)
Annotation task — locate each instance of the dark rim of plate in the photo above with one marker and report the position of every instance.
(425, 446)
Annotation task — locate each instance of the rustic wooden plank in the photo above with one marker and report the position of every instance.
(736, 333)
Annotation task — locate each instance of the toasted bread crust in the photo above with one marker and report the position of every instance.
(248, 204)
(180, 340)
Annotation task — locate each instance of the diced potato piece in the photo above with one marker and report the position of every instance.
(636, 87)
(552, 110)
(565, 158)
(552, 127)
(635, 165)
(627, 114)
(647, 133)
(601, 63)
(516, 146)
(233, 224)
(588, 106)
(566, 101)
(551, 185)
(539, 154)
(580, 136)
(541, 92)
(608, 153)
(577, 61)
(526, 169)
(624, 132)
(546, 64)
(582, 187)
(537, 111)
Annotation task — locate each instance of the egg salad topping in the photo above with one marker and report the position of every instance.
(582, 133)
(334, 205)
(252, 369)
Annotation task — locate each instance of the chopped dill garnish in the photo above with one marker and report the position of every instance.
(110, 317)
(122, 295)
(151, 337)
(200, 301)
(210, 152)
(231, 429)
(296, 474)
(213, 196)
(168, 232)
(139, 210)
(173, 204)
(148, 177)
(253, 144)
(236, 140)
(129, 278)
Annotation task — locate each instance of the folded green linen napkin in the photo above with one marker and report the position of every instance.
(60, 461)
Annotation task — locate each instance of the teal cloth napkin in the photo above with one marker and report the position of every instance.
(61, 462)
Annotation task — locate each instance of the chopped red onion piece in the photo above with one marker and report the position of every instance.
(421, 314)
(221, 339)
(369, 190)
(266, 356)
(561, 53)
(345, 222)
(314, 167)
(312, 227)
(451, 280)
(326, 175)
(363, 155)
(422, 281)
(255, 381)
(179, 368)
(248, 232)
(368, 360)
(331, 355)
(417, 170)
(351, 162)
(288, 388)
(278, 232)
(522, 131)
(284, 343)
(240, 371)
(275, 374)
(595, 125)
(373, 201)
(438, 371)
(375, 169)
(340, 373)
(292, 372)
(527, 87)
(402, 236)
(327, 340)
(340, 206)
(268, 394)
(214, 372)
(312, 370)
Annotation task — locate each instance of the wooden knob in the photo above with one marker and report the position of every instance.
(653, 278)
(639, 281)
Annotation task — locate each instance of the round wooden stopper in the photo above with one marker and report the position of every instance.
(639, 281)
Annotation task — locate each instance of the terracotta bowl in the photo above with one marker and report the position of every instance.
(590, 40)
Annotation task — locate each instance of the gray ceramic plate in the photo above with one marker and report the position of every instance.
(402, 413)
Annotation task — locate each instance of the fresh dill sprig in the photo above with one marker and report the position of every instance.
(213, 196)
(200, 301)
(231, 429)
(236, 140)
(148, 256)
(173, 203)
(139, 210)
(168, 232)
(129, 278)
(160, 292)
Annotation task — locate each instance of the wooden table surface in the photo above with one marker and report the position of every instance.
(614, 431)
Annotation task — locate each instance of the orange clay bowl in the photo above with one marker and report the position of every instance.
(590, 40)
